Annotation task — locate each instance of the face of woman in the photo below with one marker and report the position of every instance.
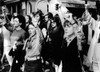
(46, 18)
(53, 24)
(31, 30)
(27, 18)
(69, 29)
(16, 22)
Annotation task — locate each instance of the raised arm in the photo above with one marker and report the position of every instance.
(87, 16)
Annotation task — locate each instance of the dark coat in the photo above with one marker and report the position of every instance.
(71, 61)
(18, 60)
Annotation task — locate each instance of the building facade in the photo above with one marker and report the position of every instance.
(27, 6)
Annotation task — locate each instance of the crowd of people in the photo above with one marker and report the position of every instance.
(50, 43)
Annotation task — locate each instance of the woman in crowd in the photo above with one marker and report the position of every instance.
(70, 58)
(6, 39)
(17, 41)
(56, 36)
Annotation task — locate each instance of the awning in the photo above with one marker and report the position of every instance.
(79, 3)
(10, 1)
